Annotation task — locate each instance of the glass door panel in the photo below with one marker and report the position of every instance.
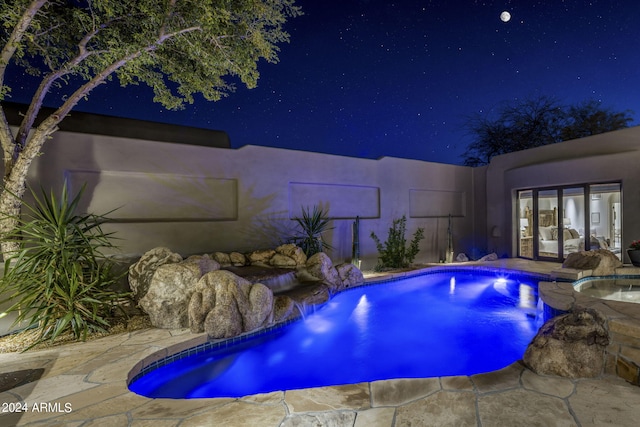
(573, 221)
(605, 222)
(525, 224)
(548, 223)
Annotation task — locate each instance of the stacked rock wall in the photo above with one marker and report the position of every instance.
(196, 293)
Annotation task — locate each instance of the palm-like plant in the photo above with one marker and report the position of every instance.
(313, 224)
(59, 280)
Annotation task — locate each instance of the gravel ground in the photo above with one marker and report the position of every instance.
(22, 340)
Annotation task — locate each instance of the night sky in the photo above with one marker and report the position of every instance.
(374, 78)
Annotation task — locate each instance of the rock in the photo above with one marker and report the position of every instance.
(462, 257)
(319, 267)
(284, 308)
(237, 259)
(204, 262)
(261, 257)
(349, 275)
(601, 261)
(572, 345)
(282, 261)
(223, 259)
(167, 300)
(141, 272)
(292, 251)
(225, 305)
(490, 257)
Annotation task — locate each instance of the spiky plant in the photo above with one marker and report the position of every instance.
(59, 281)
(313, 225)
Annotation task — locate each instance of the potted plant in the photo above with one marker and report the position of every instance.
(634, 253)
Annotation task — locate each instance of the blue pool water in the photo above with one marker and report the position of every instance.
(432, 325)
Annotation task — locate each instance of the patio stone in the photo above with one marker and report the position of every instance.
(52, 388)
(324, 419)
(505, 378)
(520, 407)
(154, 423)
(399, 392)
(350, 396)
(176, 408)
(554, 386)
(110, 421)
(609, 401)
(442, 408)
(456, 383)
(238, 414)
(375, 417)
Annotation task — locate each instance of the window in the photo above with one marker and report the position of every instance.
(554, 222)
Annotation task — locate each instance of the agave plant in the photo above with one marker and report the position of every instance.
(313, 224)
(59, 281)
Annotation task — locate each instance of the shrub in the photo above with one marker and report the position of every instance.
(58, 280)
(313, 225)
(394, 253)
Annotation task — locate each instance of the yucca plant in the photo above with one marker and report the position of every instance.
(313, 224)
(59, 281)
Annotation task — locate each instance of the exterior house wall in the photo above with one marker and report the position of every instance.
(196, 199)
(608, 157)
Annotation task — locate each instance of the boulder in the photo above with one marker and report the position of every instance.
(225, 305)
(601, 261)
(282, 261)
(319, 267)
(223, 259)
(204, 262)
(284, 308)
(572, 345)
(141, 272)
(490, 257)
(167, 300)
(349, 275)
(261, 257)
(294, 252)
(237, 259)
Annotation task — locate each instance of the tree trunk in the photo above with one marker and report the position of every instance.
(15, 185)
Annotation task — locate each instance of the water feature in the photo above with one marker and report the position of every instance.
(279, 280)
(433, 325)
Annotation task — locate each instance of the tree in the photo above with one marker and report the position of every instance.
(534, 122)
(590, 118)
(177, 47)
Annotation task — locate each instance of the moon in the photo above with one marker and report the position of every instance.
(505, 16)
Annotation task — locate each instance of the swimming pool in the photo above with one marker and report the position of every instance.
(440, 324)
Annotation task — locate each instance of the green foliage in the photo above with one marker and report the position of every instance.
(178, 48)
(312, 225)
(59, 281)
(535, 122)
(394, 253)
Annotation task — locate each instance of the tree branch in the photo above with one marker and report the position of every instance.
(8, 50)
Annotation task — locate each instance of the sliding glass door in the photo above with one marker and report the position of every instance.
(554, 222)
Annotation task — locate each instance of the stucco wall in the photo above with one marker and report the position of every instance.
(613, 156)
(196, 199)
